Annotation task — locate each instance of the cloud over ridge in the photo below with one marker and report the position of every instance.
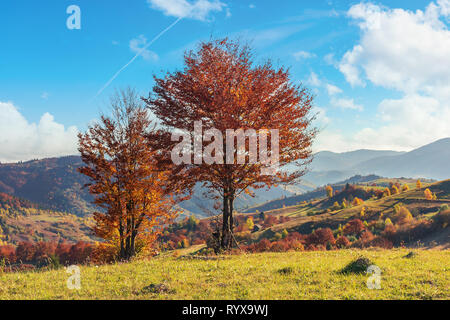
(22, 140)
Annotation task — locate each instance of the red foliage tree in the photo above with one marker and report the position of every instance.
(8, 254)
(354, 227)
(221, 86)
(342, 242)
(25, 252)
(321, 237)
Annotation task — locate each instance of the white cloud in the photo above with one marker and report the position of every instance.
(251, 6)
(21, 140)
(197, 10)
(407, 52)
(321, 116)
(344, 103)
(314, 80)
(329, 59)
(399, 49)
(328, 140)
(138, 44)
(411, 122)
(303, 55)
(332, 89)
(45, 95)
(348, 66)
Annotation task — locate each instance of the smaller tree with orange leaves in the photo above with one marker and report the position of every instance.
(418, 184)
(357, 201)
(403, 216)
(125, 179)
(329, 190)
(428, 194)
(394, 190)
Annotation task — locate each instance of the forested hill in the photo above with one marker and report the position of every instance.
(52, 183)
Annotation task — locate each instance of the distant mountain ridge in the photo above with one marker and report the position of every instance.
(429, 161)
(324, 160)
(56, 184)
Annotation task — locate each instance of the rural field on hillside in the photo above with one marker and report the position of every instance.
(291, 275)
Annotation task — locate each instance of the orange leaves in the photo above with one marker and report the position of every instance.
(357, 201)
(418, 184)
(329, 191)
(428, 195)
(126, 178)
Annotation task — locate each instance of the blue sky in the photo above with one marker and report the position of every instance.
(380, 70)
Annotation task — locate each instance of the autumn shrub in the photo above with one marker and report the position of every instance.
(321, 237)
(23, 267)
(381, 242)
(354, 227)
(410, 232)
(389, 230)
(442, 218)
(364, 240)
(104, 253)
(342, 242)
(403, 215)
(25, 252)
(7, 254)
(261, 246)
(279, 246)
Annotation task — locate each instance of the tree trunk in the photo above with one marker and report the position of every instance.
(227, 222)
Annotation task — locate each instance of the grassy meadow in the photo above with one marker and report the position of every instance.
(289, 275)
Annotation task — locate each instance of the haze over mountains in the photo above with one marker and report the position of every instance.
(430, 161)
(56, 184)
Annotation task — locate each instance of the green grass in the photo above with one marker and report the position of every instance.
(312, 275)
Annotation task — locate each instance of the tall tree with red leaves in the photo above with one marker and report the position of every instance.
(221, 86)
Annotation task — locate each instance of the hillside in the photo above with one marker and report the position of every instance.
(320, 192)
(56, 184)
(52, 183)
(308, 216)
(201, 205)
(22, 220)
(288, 275)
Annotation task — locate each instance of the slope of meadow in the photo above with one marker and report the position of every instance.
(23, 220)
(307, 216)
(290, 275)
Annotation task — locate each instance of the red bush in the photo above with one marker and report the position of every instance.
(25, 252)
(321, 237)
(42, 253)
(354, 227)
(381, 242)
(8, 253)
(342, 242)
